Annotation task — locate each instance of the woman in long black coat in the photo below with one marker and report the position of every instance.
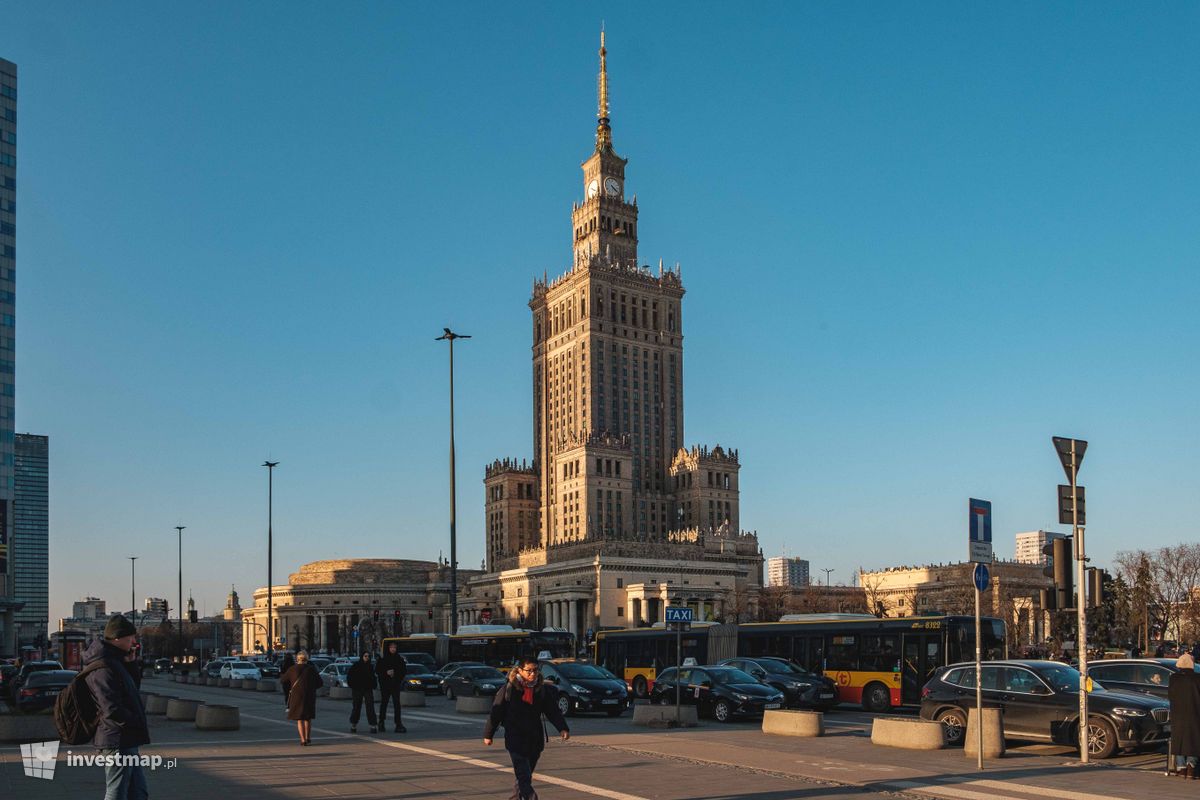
(300, 684)
(1184, 693)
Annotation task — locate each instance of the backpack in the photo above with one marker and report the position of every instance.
(76, 715)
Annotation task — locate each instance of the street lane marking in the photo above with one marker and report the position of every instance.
(958, 791)
(1043, 791)
(425, 716)
(474, 762)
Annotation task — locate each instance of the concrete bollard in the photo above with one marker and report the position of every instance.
(17, 728)
(250, 683)
(223, 682)
(340, 693)
(412, 699)
(664, 716)
(181, 710)
(793, 723)
(993, 733)
(157, 703)
(218, 718)
(908, 733)
(267, 685)
(202, 680)
(473, 705)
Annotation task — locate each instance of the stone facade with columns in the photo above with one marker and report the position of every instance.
(325, 602)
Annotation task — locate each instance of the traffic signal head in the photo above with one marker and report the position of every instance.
(1064, 584)
(396, 615)
(1048, 599)
(431, 613)
(375, 615)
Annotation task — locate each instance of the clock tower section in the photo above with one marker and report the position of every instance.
(605, 224)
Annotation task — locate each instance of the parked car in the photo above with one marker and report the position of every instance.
(1146, 675)
(213, 669)
(801, 688)
(424, 659)
(1040, 701)
(27, 669)
(240, 670)
(450, 667)
(162, 665)
(473, 681)
(584, 687)
(419, 678)
(335, 674)
(720, 692)
(7, 673)
(320, 662)
(41, 689)
(267, 668)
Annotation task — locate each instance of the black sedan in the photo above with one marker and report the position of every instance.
(418, 678)
(451, 666)
(163, 665)
(719, 692)
(801, 688)
(15, 683)
(212, 669)
(41, 689)
(266, 668)
(473, 681)
(584, 687)
(1146, 675)
(1039, 700)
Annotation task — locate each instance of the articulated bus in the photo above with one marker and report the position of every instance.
(495, 645)
(880, 663)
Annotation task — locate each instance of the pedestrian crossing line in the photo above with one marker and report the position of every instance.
(474, 762)
(426, 716)
(960, 791)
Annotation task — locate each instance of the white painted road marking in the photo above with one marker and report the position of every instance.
(959, 791)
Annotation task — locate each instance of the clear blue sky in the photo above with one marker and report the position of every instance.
(918, 240)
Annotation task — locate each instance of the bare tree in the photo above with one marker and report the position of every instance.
(872, 586)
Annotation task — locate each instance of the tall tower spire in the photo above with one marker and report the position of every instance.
(603, 131)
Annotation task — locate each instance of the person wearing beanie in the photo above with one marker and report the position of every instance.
(122, 726)
(1183, 692)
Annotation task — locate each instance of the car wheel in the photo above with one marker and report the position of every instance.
(1102, 738)
(722, 712)
(639, 687)
(876, 697)
(954, 721)
(663, 700)
(449, 693)
(564, 705)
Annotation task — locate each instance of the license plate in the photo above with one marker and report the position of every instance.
(826, 695)
(771, 705)
(609, 702)
(51, 692)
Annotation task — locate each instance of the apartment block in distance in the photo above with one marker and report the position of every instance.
(784, 571)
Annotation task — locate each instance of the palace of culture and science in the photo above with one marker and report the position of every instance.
(613, 516)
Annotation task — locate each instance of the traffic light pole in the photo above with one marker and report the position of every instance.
(1081, 607)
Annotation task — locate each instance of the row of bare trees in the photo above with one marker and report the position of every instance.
(1156, 594)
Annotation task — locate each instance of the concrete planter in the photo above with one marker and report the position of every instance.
(157, 703)
(664, 716)
(180, 710)
(412, 699)
(250, 683)
(993, 733)
(223, 682)
(218, 718)
(908, 733)
(17, 728)
(340, 693)
(267, 685)
(473, 705)
(202, 680)
(794, 723)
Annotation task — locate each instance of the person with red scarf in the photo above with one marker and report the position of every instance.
(519, 707)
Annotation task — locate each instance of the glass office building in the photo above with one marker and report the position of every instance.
(31, 539)
(8, 267)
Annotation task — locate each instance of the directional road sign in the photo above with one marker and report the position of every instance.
(678, 614)
(1062, 446)
(980, 530)
(983, 578)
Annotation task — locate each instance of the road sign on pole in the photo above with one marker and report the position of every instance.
(983, 578)
(1070, 453)
(678, 614)
(1068, 503)
(980, 530)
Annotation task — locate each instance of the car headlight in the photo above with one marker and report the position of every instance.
(1129, 712)
(777, 698)
(488, 686)
(580, 689)
(742, 697)
(414, 680)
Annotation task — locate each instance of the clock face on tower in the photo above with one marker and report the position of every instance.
(612, 187)
(593, 188)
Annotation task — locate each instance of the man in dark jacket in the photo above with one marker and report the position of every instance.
(519, 707)
(1184, 694)
(361, 680)
(390, 670)
(122, 726)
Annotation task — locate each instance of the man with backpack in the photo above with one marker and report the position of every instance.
(120, 721)
(519, 707)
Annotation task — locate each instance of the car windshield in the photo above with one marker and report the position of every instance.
(581, 671)
(730, 675)
(781, 667)
(486, 673)
(51, 676)
(241, 665)
(1064, 678)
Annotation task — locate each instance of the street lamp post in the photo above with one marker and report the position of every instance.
(133, 588)
(826, 570)
(179, 608)
(450, 336)
(270, 465)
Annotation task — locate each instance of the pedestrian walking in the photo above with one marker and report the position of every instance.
(361, 679)
(300, 684)
(1183, 691)
(519, 707)
(390, 670)
(287, 663)
(121, 727)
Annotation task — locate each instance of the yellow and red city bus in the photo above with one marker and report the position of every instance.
(880, 663)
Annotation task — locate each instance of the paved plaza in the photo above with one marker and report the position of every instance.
(442, 756)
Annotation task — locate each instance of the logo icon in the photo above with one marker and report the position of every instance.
(39, 759)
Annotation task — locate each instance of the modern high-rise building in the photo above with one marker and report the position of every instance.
(31, 538)
(156, 605)
(784, 571)
(1030, 544)
(9, 603)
